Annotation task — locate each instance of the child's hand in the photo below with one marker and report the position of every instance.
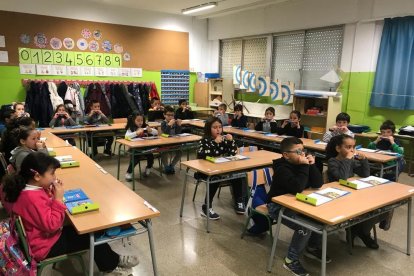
(311, 159)
(57, 190)
(229, 137)
(333, 128)
(56, 115)
(350, 155)
(171, 122)
(360, 156)
(140, 131)
(343, 129)
(391, 139)
(378, 139)
(219, 139)
(40, 145)
(179, 122)
(303, 160)
(216, 113)
(285, 122)
(149, 130)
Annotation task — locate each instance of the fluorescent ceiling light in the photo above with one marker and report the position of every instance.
(198, 8)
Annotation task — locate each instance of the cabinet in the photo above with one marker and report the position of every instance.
(201, 97)
(215, 91)
(318, 113)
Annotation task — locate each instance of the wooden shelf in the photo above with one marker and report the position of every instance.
(216, 93)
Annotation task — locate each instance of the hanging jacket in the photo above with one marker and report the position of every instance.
(132, 108)
(44, 108)
(153, 91)
(94, 93)
(133, 89)
(32, 90)
(61, 90)
(144, 94)
(55, 99)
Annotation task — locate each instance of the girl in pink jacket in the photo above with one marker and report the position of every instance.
(36, 196)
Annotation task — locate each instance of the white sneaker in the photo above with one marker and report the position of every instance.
(128, 176)
(119, 271)
(128, 261)
(147, 171)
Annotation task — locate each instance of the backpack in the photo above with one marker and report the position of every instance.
(12, 259)
(407, 130)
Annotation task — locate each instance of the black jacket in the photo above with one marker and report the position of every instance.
(290, 178)
(240, 122)
(273, 126)
(187, 114)
(288, 130)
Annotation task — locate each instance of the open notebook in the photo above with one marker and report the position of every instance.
(363, 183)
(226, 158)
(321, 196)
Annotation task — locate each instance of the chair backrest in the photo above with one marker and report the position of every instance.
(3, 161)
(325, 177)
(120, 120)
(22, 237)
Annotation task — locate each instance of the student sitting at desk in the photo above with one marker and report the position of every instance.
(222, 115)
(62, 118)
(214, 144)
(341, 127)
(239, 119)
(28, 141)
(387, 142)
(343, 163)
(268, 123)
(156, 112)
(96, 117)
(171, 127)
(19, 108)
(136, 128)
(6, 117)
(37, 197)
(292, 127)
(293, 173)
(184, 111)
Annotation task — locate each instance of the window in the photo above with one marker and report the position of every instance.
(230, 54)
(302, 57)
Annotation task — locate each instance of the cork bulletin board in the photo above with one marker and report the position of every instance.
(149, 49)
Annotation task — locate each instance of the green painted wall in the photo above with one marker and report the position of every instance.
(356, 88)
(11, 88)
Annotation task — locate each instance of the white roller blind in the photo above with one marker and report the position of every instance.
(322, 53)
(230, 54)
(254, 58)
(287, 57)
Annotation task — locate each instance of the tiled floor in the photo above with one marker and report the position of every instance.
(184, 248)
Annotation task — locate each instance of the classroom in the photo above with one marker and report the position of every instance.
(194, 137)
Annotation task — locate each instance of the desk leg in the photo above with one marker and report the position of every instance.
(93, 157)
(133, 169)
(409, 227)
(91, 253)
(382, 170)
(275, 238)
(208, 203)
(183, 195)
(151, 242)
(119, 160)
(324, 245)
(396, 171)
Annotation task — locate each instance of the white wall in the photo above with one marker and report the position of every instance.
(82, 10)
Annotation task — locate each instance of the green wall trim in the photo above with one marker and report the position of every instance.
(356, 88)
(12, 90)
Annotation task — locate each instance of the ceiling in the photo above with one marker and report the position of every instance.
(175, 6)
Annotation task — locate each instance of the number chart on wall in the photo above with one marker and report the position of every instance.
(70, 63)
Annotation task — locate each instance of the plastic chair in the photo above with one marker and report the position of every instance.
(42, 264)
(259, 177)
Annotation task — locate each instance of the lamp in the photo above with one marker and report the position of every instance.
(198, 8)
(331, 77)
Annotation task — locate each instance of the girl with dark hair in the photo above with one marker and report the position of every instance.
(28, 141)
(239, 119)
(136, 128)
(215, 144)
(292, 127)
(61, 118)
(37, 197)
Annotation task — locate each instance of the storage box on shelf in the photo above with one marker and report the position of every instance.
(175, 85)
(318, 113)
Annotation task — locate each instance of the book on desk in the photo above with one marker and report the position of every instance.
(363, 183)
(66, 161)
(224, 159)
(386, 152)
(78, 202)
(321, 196)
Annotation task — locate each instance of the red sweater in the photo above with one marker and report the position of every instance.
(42, 218)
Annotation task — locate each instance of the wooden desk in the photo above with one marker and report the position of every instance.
(344, 212)
(52, 141)
(118, 204)
(138, 148)
(227, 171)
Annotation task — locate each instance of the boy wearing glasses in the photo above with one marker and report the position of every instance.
(171, 127)
(294, 172)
